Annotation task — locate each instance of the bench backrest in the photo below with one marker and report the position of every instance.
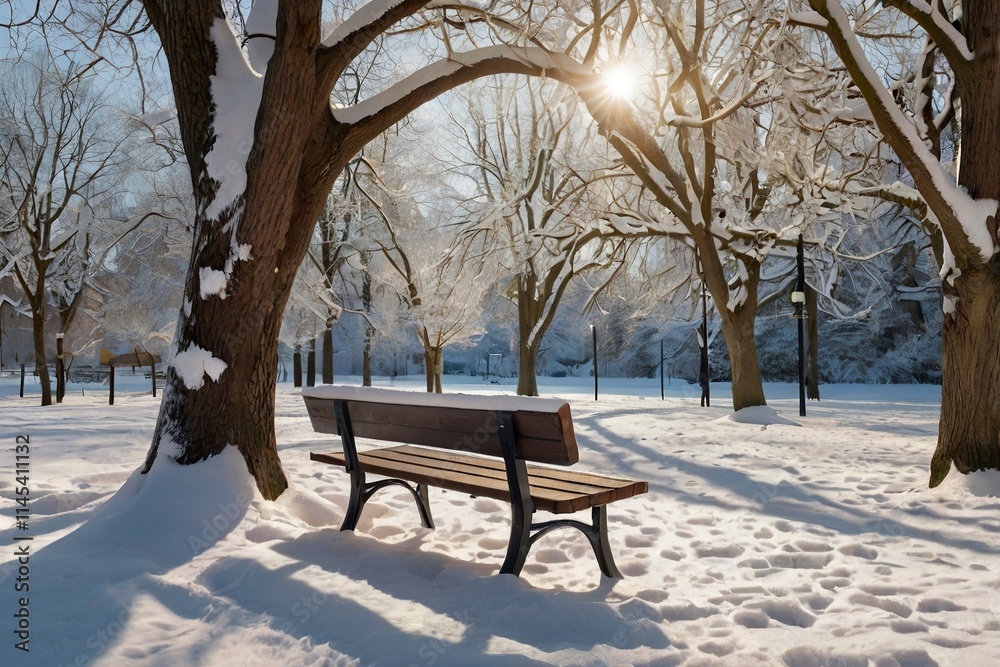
(543, 427)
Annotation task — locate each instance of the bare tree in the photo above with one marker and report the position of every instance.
(65, 155)
(440, 279)
(537, 170)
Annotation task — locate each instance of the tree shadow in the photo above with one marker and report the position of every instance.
(782, 501)
(82, 587)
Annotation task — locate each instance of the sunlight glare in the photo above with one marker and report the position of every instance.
(620, 81)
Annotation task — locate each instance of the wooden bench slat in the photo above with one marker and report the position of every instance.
(601, 489)
(484, 477)
(552, 478)
(597, 479)
(449, 479)
(549, 435)
(539, 485)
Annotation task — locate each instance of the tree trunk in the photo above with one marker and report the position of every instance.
(41, 360)
(737, 326)
(311, 364)
(527, 380)
(529, 312)
(969, 431)
(366, 302)
(812, 358)
(366, 378)
(738, 331)
(433, 360)
(237, 409)
(289, 172)
(328, 353)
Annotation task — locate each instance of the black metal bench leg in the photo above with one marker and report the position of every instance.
(424, 505)
(357, 502)
(520, 539)
(602, 547)
(521, 506)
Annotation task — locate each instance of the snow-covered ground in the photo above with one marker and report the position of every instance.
(806, 544)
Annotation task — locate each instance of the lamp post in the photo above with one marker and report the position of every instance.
(60, 366)
(593, 335)
(311, 364)
(662, 396)
(799, 300)
(704, 372)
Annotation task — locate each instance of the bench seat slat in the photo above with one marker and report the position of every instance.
(552, 490)
(549, 478)
(539, 484)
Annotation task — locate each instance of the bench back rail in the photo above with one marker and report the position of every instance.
(548, 436)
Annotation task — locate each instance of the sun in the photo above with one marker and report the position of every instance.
(620, 81)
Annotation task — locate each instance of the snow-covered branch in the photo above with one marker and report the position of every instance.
(965, 221)
(940, 29)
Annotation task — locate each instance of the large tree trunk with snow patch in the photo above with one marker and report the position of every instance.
(969, 431)
(220, 386)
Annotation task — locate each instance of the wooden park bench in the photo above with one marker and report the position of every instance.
(480, 445)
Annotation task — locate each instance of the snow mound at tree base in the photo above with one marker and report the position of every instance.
(983, 483)
(760, 415)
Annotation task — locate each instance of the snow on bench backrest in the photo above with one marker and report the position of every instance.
(463, 422)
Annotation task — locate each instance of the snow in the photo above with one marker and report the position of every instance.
(212, 282)
(466, 401)
(262, 22)
(236, 94)
(194, 363)
(811, 19)
(757, 544)
(761, 415)
(533, 56)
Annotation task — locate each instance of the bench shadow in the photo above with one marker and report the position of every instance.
(325, 617)
(473, 594)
